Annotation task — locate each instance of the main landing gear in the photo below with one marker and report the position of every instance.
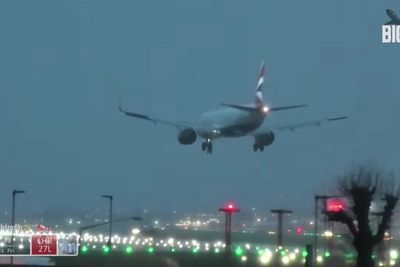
(207, 146)
(258, 147)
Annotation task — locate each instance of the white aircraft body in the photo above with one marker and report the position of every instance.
(233, 121)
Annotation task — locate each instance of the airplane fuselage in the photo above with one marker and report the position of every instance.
(229, 123)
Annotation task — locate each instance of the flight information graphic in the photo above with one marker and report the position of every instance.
(38, 245)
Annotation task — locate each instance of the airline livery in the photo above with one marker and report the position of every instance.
(233, 121)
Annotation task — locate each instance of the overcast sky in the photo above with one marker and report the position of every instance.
(64, 64)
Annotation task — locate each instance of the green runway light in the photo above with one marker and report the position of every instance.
(84, 249)
(283, 253)
(173, 250)
(195, 250)
(129, 249)
(216, 250)
(327, 254)
(150, 250)
(260, 252)
(106, 249)
(239, 251)
(304, 253)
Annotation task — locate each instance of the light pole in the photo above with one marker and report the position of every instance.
(228, 209)
(280, 213)
(14, 193)
(316, 200)
(110, 197)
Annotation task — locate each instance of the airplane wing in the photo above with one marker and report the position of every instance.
(266, 109)
(293, 127)
(178, 125)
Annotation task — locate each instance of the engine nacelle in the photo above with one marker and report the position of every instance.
(265, 139)
(187, 136)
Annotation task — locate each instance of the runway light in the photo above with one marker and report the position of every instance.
(327, 254)
(243, 258)
(285, 260)
(150, 250)
(265, 257)
(106, 249)
(84, 249)
(239, 251)
(394, 254)
(129, 249)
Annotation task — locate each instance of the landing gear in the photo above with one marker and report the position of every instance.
(258, 147)
(207, 146)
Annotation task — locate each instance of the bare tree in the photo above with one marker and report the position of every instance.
(362, 186)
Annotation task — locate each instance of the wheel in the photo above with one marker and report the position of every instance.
(203, 146)
(210, 147)
(255, 147)
(261, 148)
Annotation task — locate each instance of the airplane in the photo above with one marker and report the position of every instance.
(232, 121)
(395, 20)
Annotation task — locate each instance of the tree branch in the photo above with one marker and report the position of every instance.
(345, 218)
(391, 202)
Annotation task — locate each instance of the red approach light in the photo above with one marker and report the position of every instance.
(300, 231)
(230, 208)
(335, 205)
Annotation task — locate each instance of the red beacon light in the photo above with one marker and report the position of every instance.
(230, 208)
(335, 205)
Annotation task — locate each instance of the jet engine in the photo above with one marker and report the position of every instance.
(187, 136)
(263, 140)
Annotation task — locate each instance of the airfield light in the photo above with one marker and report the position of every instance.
(300, 231)
(327, 254)
(84, 249)
(335, 205)
(285, 260)
(243, 258)
(106, 249)
(239, 251)
(129, 249)
(266, 256)
(394, 254)
(173, 250)
(150, 250)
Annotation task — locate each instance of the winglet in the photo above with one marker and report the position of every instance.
(120, 105)
(337, 118)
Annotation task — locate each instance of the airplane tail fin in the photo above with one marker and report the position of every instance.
(259, 102)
